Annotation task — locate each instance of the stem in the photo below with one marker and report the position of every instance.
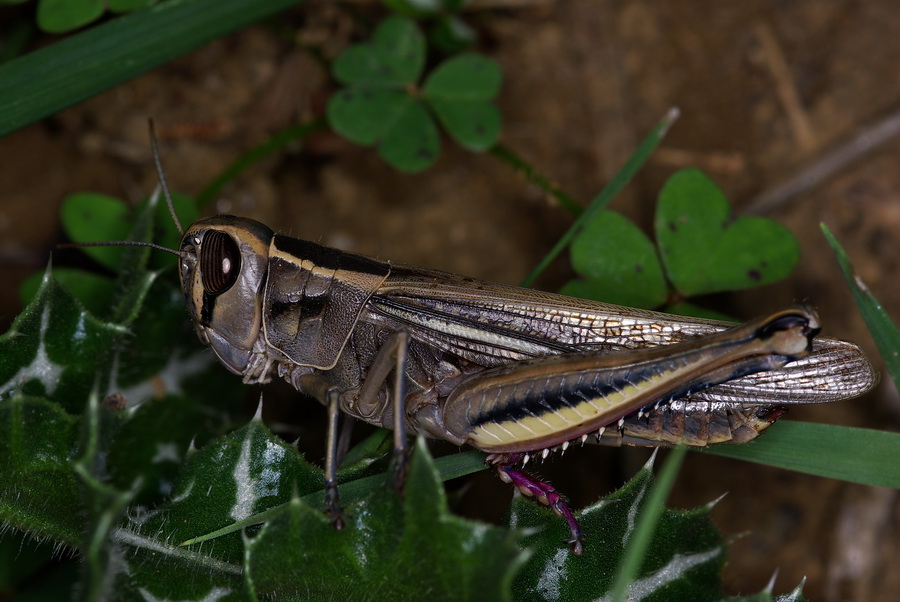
(616, 184)
(279, 140)
(639, 542)
(520, 165)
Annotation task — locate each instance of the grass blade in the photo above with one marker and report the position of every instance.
(80, 66)
(883, 330)
(849, 454)
(609, 192)
(279, 140)
(636, 550)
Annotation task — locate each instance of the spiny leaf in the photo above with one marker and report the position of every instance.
(393, 548)
(40, 492)
(683, 561)
(55, 348)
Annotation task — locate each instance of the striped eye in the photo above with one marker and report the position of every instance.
(220, 262)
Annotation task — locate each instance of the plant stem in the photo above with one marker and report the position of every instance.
(279, 140)
(520, 165)
(617, 183)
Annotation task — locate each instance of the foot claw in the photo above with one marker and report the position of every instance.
(576, 544)
(400, 469)
(333, 506)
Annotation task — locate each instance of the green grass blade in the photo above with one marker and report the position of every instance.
(636, 551)
(449, 467)
(883, 330)
(849, 454)
(50, 79)
(279, 140)
(504, 153)
(609, 192)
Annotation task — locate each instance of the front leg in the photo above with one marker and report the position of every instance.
(391, 357)
(316, 385)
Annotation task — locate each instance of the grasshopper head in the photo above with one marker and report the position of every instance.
(223, 271)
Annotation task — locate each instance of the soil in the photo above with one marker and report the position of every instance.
(765, 90)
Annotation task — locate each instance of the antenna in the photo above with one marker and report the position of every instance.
(136, 243)
(154, 147)
(117, 243)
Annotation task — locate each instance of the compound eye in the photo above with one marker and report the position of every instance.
(220, 262)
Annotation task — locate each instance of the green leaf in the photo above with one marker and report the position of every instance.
(54, 348)
(395, 56)
(364, 115)
(83, 65)
(883, 329)
(468, 77)
(89, 217)
(850, 454)
(40, 492)
(93, 291)
(125, 6)
(619, 264)
(397, 123)
(459, 91)
(474, 125)
(683, 561)
(234, 477)
(393, 548)
(93, 217)
(412, 143)
(152, 444)
(58, 16)
(704, 250)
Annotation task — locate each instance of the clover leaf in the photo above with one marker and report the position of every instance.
(702, 249)
(381, 105)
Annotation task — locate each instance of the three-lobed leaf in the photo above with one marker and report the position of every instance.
(380, 106)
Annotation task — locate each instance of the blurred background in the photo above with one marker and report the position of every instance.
(771, 94)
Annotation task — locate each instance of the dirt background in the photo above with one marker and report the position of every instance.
(766, 89)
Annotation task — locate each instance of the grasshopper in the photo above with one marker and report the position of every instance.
(510, 371)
